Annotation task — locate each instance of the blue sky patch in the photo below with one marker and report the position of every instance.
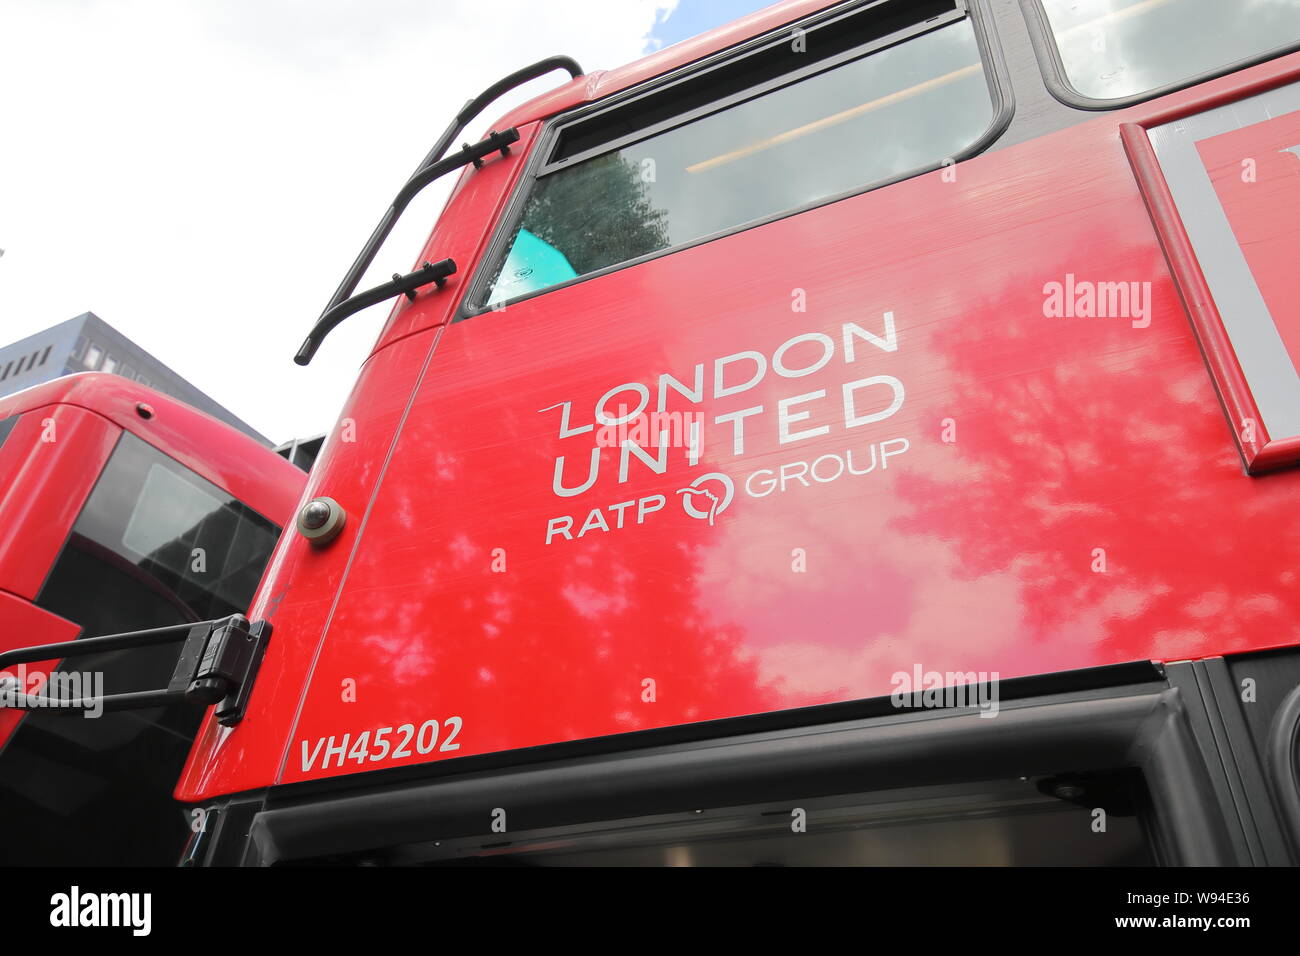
(693, 17)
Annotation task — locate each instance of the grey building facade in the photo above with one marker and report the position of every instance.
(88, 343)
(301, 451)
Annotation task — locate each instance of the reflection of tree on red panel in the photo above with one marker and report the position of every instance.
(1119, 459)
(553, 644)
(622, 225)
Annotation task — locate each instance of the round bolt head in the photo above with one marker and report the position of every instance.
(320, 520)
(315, 514)
(1068, 791)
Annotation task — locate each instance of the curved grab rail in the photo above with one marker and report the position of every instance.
(430, 168)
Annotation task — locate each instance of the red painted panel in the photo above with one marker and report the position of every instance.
(1068, 495)
(1261, 452)
(1224, 368)
(299, 613)
(1262, 204)
(23, 624)
(48, 466)
(231, 460)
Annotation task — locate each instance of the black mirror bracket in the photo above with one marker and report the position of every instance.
(217, 664)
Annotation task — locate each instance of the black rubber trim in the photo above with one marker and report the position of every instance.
(1142, 726)
(222, 838)
(1019, 688)
(1209, 696)
(1145, 729)
(1283, 751)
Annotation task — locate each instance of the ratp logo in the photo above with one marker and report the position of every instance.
(708, 495)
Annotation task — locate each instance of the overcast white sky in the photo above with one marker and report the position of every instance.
(200, 174)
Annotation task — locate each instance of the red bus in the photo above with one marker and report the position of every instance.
(120, 509)
(864, 433)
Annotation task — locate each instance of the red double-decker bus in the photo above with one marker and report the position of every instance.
(864, 433)
(120, 509)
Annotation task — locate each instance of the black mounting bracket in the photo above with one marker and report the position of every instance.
(217, 664)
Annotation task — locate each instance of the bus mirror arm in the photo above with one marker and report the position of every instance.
(217, 664)
(430, 168)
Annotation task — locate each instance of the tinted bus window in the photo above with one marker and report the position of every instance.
(6, 426)
(154, 545)
(1118, 48)
(901, 108)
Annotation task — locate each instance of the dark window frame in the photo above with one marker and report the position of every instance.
(278, 530)
(473, 302)
(1052, 67)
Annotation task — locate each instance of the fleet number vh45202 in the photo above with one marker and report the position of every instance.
(375, 746)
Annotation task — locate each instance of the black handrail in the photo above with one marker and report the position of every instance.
(95, 645)
(428, 170)
(479, 103)
(340, 308)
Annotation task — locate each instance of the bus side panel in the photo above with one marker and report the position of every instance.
(1053, 492)
(366, 428)
(299, 614)
(48, 467)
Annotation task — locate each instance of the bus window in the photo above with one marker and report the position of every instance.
(6, 426)
(154, 545)
(780, 130)
(1115, 49)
